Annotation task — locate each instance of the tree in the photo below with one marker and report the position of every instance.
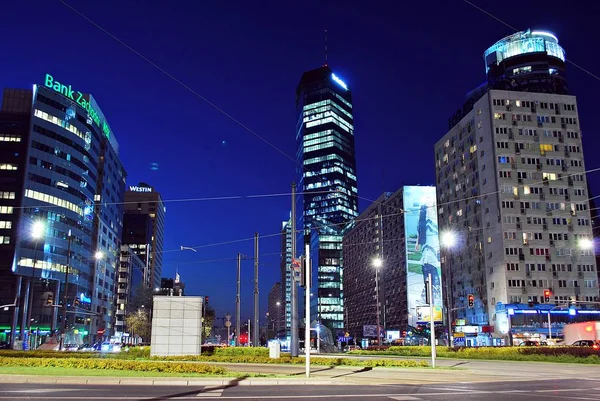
(208, 322)
(138, 324)
(142, 298)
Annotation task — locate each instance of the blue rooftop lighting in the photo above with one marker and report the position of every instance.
(339, 81)
(522, 43)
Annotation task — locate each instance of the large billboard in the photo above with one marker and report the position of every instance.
(422, 251)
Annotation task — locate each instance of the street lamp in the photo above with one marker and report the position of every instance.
(38, 229)
(37, 232)
(585, 244)
(98, 256)
(377, 263)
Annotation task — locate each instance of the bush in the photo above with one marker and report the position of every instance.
(242, 351)
(540, 354)
(114, 364)
(287, 359)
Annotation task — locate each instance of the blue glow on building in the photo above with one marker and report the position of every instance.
(339, 81)
(522, 43)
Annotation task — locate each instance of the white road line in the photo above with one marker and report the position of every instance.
(404, 398)
(450, 389)
(211, 392)
(39, 390)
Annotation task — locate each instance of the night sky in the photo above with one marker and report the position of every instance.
(409, 65)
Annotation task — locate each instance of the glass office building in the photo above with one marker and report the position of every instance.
(325, 143)
(69, 219)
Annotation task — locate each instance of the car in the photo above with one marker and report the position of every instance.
(587, 343)
(529, 343)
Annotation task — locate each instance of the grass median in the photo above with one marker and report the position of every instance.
(582, 355)
(138, 360)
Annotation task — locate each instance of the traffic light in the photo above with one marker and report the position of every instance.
(50, 299)
(206, 299)
(471, 299)
(547, 294)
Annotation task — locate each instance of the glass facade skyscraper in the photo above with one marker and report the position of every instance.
(70, 209)
(325, 143)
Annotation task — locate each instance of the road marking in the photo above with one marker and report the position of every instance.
(35, 390)
(210, 392)
(449, 389)
(404, 398)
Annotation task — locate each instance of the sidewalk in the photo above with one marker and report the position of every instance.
(285, 375)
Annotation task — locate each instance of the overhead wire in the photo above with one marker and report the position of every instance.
(187, 87)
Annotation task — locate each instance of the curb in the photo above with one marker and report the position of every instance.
(163, 381)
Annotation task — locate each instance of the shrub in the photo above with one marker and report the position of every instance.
(114, 364)
(242, 351)
(541, 354)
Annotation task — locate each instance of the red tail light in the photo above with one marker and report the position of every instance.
(596, 346)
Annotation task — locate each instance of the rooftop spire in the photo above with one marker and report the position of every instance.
(325, 47)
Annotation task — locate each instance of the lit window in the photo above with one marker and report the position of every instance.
(8, 166)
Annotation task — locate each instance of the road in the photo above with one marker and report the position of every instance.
(546, 390)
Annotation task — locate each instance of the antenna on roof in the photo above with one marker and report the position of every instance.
(325, 47)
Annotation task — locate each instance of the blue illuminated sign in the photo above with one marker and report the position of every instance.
(85, 299)
(339, 81)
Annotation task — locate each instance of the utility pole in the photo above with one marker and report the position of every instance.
(63, 335)
(256, 321)
(237, 301)
(294, 288)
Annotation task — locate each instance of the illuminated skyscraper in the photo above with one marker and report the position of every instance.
(64, 182)
(325, 143)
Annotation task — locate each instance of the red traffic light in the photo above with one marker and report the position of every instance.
(546, 293)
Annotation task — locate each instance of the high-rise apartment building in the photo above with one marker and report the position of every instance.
(144, 228)
(389, 253)
(286, 277)
(325, 143)
(130, 279)
(512, 187)
(65, 183)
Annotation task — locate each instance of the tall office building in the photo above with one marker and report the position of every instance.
(286, 276)
(325, 143)
(389, 252)
(512, 186)
(65, 185)
(145, 228)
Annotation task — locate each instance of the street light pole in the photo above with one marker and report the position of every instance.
(431, 319)
(294, 289)
(238, 321)
(63, 335)
(256, 318)
(377, 264)
(307, 302)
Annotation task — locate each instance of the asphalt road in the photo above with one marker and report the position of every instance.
(546, 390)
